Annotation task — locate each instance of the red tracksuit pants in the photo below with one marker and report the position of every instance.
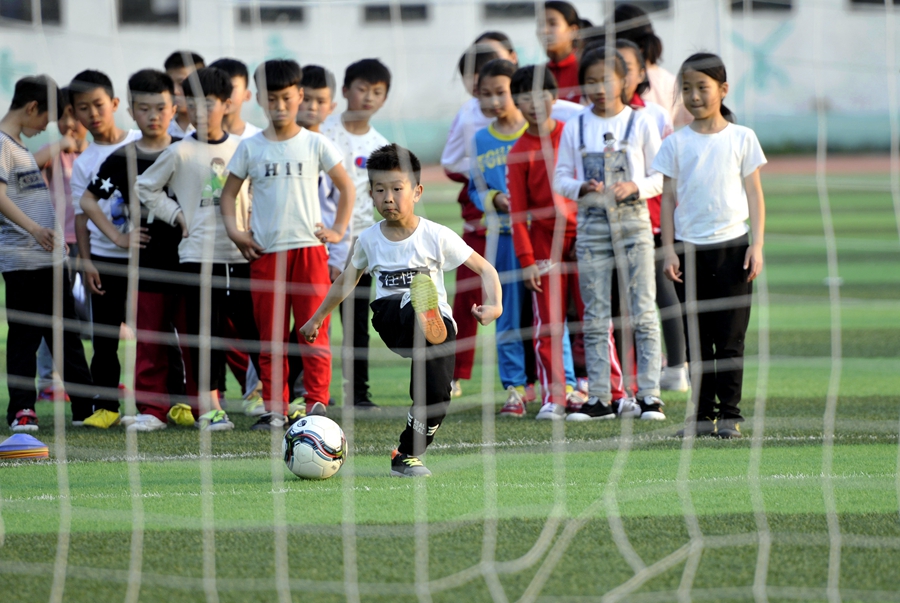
(468, 293)
(294, 280)
(559, 284)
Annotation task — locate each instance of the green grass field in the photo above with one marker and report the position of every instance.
(522, 510)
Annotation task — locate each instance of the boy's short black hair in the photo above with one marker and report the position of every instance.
(176, 60)
(150, 81)
(88, 81)
(278, 74)
(393, 157)
(213, 82)
(317, 77)
(524, 77)
(40, 89)
(372, 71)
(496, 68)
(476, 57)
(234, 68)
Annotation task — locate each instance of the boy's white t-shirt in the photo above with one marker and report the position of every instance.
(356, 150)
(709, 170)
(249, 131)
(640, 148)
(83, 171)
(432, 249)
(285, 179)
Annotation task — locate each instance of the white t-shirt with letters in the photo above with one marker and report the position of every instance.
(432, 249)
(285, 179)
(709, 170)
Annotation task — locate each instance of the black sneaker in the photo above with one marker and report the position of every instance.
(705, 427)
(269, 421)
(365, 404)
(728, 429)
(593, 410)
(403, 465)
(651, 409)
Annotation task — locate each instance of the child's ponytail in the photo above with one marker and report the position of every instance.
(712, 66)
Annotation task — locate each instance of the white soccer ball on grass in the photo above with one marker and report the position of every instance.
(314, 448)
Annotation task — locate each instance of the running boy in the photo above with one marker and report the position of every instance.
(194, 170)
(103, 263)
(286, 239)
(408, 256)
(31, 244)
(366, 86)
(151, 104)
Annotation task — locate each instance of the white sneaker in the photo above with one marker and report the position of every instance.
(675, 379)
(145, 423)
(551, 412)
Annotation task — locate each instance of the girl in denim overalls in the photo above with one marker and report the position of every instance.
(604, 162)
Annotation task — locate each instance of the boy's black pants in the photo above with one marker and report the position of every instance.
(721, 282)
(29, 308)
(398, 329)
(108, 312)
(360, 352)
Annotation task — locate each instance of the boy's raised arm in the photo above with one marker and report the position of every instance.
(492, 307)
(347, 190)
(340, 289)
(249, 248)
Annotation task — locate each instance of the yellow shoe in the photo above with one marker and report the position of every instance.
(423, 295)
(181, 415)
(102, 419)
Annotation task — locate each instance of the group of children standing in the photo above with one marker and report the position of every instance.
(212, 233)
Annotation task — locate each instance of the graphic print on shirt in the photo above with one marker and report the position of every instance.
(400, 279)
(273, 170)
(30, 180)
(360, 162)
(212, 190)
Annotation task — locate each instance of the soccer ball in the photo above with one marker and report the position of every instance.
(314, 448)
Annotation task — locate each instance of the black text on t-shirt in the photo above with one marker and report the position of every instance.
(400, 279)
(288, 168)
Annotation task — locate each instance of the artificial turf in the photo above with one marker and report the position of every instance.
(521, 509)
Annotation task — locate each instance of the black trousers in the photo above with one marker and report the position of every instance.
(721, 283)
(108, 311)
(193, 311)
(29, 309)
(239, 310)
(398, 329)
(360, 352)
(669, 308)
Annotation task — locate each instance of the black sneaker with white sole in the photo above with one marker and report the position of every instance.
(593, 410)
(651, 409)
(728, 429)
(269, 421)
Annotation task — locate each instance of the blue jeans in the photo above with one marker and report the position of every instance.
(510, 349)
(601, 237)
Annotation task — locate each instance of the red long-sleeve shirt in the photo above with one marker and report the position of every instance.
(566, 72)
(530, 193)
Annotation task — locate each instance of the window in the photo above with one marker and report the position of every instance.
(20, 10)
(382, 13)
(152, 12)
(651, 6)
(769, 5)
(277, 15)
(868, 3)
(509, 10)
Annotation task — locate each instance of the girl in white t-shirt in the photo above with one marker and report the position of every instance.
(604, 162)
(711, 188)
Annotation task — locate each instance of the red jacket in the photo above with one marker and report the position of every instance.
(530, 194)
(566, 72)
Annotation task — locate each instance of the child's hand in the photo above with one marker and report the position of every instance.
(623, 190)
(591, 186)
(672, 267)
(487, 313)
(531, 276)
(137, 238)
(250, 249)
(311, 329)
(92, 277)
(333, 272)
(501, 202)
(326, 235)
(45, 237)
(179, 221)
(753, 261)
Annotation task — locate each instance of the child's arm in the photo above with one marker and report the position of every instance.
(49, 151)
(347, 190)
(517, 182)
(753, 260)
(250, 249)
(671, 264)
(340, 289)
(45, 237)
(137, 237)
(83, 240)
(490, 280)
(150, 190)
(564, 181)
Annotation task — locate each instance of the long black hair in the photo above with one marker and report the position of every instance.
(711, 65)
(639, 30)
